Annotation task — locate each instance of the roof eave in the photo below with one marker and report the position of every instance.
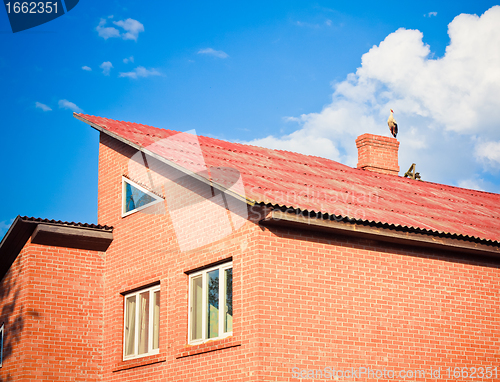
(50, 233)
(407, 237)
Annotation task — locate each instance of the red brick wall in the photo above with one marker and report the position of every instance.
(301, 299)
(378, 154)
(335, 302)
(59, 315)
(13, 314)
(145, 250)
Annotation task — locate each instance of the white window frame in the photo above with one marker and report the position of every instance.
(222, 292)
(125, 180)
(150, 351)
(1, 344)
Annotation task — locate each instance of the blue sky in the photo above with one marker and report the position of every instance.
(296, 75)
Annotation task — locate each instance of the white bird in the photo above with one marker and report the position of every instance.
(393, 124)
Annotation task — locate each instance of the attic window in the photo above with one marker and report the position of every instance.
(136, 198)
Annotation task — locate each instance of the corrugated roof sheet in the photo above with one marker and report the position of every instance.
(63, 223)
(317, 184)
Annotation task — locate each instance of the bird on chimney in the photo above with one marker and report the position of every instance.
(393, 124)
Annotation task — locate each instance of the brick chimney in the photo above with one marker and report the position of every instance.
(377, 153)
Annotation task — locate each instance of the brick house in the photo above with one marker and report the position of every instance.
(340, 273)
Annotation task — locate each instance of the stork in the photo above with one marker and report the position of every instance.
(393, 124)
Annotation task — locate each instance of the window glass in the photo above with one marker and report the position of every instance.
(228, 292)
(130, 325)
(211, 303)
(142, 323)
(1, 345)
(156, 321)
(135, 198)
(197, 307)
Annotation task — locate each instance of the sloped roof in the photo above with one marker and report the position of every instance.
(69, 234)
(64, 223)
(320, 185)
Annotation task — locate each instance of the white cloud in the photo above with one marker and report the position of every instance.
(488, 153)
(141, 71)
(300, 141)
(471, 184)
(430, 14)
(441, 104)
(106, 67)
(65, 104)
(131, 29)
(128, 59)
(87, 68)
(106, 32)
(328, 23)
(42, 106)
(213, 52)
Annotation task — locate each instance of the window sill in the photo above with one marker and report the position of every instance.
(138, 362)
(207, 347)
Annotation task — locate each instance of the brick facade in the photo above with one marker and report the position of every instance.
(52, 308)
(302, 299)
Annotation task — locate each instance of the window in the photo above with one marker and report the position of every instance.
(211, 303)
(136, 198)
(142, 323)
(1, 346)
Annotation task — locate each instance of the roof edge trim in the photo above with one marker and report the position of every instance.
(23, 227)
(280, 218)
(374, 223)
(216, 185)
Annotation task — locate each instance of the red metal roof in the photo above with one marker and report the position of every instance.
(321, 185)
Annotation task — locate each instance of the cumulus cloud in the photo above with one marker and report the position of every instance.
(87, 68)
(430, 14)
(213, 52)
(106, 32)
(128, 59)
(106, 67)
(140, 71)
(42, 106)
(441, 104)
(65, 104)
(131, 29)
(488, 153)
